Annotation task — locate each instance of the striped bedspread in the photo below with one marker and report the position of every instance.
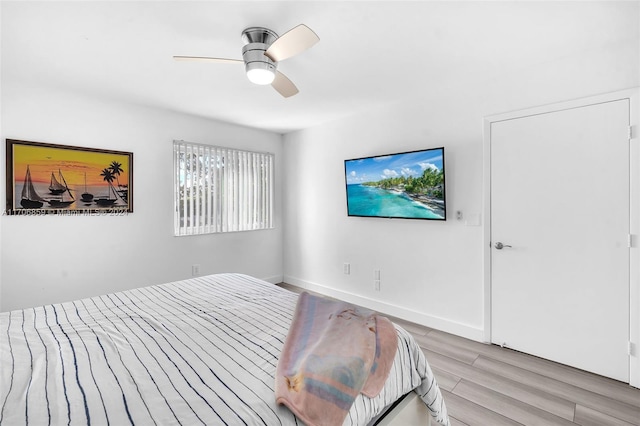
(198, 351)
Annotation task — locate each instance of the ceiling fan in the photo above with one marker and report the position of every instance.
(262, 51)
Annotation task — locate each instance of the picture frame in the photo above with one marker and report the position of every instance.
(45, 178)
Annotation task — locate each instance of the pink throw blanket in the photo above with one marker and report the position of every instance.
(333, 352)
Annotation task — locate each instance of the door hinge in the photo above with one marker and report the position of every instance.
(630, 132)
(630, 240)
(630, 348)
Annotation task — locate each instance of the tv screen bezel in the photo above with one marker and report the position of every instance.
(371, 157)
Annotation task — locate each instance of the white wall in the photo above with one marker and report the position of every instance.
(2, 186)
(431, 272)
(47, 259)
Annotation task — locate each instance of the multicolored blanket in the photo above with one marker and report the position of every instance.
(333, 352)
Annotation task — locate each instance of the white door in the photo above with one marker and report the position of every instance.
(560, 199)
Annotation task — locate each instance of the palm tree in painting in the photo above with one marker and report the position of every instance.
(108, 177)
(116, 168)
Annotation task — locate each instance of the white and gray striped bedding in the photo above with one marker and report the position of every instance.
(198, 351)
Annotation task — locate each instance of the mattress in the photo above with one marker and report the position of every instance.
(197, 351)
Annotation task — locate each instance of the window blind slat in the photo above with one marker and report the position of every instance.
(210, 192)
(190, 189)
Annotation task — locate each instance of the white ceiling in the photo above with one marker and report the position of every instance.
(370, 53)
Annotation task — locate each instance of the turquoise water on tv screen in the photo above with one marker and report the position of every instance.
(371, 201)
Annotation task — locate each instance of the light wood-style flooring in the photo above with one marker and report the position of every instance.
(487, 385)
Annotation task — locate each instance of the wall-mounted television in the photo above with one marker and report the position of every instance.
(406, 185)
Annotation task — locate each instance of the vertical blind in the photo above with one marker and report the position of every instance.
(221, 189)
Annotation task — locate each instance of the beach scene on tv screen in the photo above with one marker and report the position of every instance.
(406, 185)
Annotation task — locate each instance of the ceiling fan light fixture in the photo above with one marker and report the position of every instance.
(260, 68)
(258, 73)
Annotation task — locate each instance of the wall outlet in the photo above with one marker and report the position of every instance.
(346, 268)
(195, 270)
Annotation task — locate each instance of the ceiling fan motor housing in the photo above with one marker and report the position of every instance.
(257, 40)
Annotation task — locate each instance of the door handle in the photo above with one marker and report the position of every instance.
(500, 246)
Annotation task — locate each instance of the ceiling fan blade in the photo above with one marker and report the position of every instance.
(283, 85)
(208, 59)
(294, 41)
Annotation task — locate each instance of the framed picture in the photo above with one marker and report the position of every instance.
(46, 178)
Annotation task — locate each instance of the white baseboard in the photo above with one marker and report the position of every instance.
(430, 321)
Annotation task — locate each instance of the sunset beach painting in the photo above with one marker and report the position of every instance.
(407, 185)
(50, 178)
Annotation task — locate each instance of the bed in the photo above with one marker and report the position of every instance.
(197, 351)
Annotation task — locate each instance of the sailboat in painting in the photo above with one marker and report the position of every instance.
(61, 202)
(108, 201)
(55, 187)
(30, 198)
(86, 196)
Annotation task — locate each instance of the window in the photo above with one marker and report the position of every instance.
(221, 189)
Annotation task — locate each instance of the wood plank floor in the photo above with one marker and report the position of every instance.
(487, 385)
